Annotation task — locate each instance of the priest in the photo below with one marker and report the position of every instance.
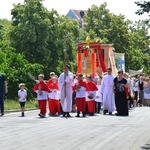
(108, 92)
(65, 82)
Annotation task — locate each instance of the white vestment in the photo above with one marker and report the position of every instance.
(108, 94)
(66, 91)
(54, 94)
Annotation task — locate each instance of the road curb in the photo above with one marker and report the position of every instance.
(18, 110)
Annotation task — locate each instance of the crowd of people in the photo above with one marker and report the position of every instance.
(86, 95)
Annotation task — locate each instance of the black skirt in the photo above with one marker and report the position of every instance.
(121, 104)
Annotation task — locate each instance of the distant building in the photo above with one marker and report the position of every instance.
(77, 15)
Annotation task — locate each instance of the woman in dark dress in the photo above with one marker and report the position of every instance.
(120, 84)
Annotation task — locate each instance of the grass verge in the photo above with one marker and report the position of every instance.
(14, 104)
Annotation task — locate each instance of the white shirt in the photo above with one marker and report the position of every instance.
(22, 95)
(98, 94)
(135, 86)
(80, 93)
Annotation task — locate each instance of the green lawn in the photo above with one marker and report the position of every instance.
(14, 104)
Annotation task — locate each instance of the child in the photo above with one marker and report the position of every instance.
(22, 94)
(74, 95)
(80, 88)
(42, 90)
(54, 104)
(98, 99)
(90, 95)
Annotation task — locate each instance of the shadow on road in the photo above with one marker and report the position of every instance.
(146, 146)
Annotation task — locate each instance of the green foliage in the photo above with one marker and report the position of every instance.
(144, 8)
(42, 35)
(108, 27)
(30, 30)
(16, 69)
(14, 65)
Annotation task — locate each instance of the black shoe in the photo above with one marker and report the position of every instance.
(2, 113)
(68, 115)
(83, 114)
(105, 111)
(64, 114)
(22, 114)
(50, 114)
(91, 114)
(41, 115)
(117, 114)
(110, 113)
(78, 114)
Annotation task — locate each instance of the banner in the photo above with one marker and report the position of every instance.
(86, 65)
(112, 62)
(120, 61)
(135, 72)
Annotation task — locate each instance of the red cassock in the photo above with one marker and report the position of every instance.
(91, 90)
(80, 88)
(54, 104)
(41, 95)
(50, 82)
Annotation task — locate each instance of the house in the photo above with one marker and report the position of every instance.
(77, 15)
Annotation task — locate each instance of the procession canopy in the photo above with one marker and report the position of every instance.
(89, 57)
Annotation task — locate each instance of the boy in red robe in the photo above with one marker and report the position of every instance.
(54, 96)
(42, 90)
(90, 95)
(80, 88)
(52, 74)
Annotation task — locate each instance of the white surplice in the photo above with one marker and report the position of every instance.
(108, 94)
(66, 90)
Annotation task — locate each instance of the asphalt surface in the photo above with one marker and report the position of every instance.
(100, 132)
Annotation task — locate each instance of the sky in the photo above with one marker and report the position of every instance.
(124, 7)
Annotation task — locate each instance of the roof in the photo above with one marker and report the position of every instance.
(77, 12)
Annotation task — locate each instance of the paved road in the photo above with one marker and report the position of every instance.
(92, 133)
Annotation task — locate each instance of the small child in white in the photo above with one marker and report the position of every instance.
(22, 94)
(98, 100)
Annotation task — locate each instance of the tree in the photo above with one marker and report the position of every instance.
(30, 30)
(144, 8)
(64, 33)
(41, 35)
(139, 50)
(108, 27)
(14, 65)
(16, 69)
